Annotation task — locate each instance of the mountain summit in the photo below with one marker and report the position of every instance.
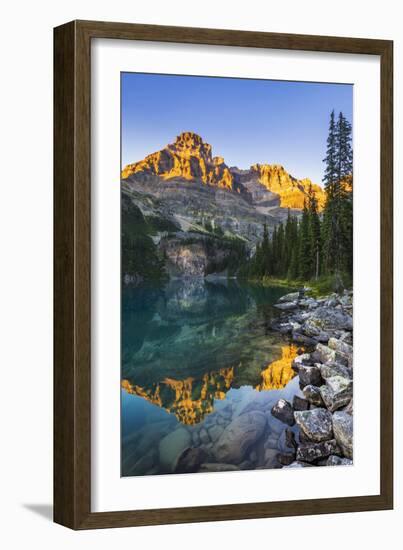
(190, 158)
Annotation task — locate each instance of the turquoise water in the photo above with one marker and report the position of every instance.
(194, 350)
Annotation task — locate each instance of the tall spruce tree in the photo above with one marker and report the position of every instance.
(315, 244)
(304, 253)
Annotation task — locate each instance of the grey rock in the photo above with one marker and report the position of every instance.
(300, 404)
(195, 438)
(172, 446)
(313, 395)
(337, 392)
(284, 412)
(343, 432)
(143, 464)
(302, 339)
(309, 376)
(204, 437)
(238, 437)
(290, 441)
(316, 424)
(291, 297)
(333, 369)
(315, 451)
(246, 465)
(334, 460)
(330, 318)
(300, 360)
(287, 306)
(349, 409)
(190, 459)
(340, 346)
(270, 458)
(215, 432)
(327, 355)
(285, 459)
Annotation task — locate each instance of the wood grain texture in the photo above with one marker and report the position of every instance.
(72, 274)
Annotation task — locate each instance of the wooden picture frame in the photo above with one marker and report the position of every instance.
(72, 270)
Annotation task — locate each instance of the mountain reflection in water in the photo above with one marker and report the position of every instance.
(190, 400)
(191, 350)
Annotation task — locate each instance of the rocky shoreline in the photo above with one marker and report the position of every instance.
(324, 415)
(307, 423)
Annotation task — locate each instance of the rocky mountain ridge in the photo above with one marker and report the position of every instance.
(190, 158)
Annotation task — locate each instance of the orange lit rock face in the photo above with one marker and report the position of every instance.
(189, 158)
(292, 192)
(190, 400)
(278, 373)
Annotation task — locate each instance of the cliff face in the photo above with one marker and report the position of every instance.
(292, 192)
(190, 158)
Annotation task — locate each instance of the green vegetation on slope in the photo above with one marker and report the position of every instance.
(140, 256)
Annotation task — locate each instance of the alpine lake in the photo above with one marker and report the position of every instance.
(197, 353)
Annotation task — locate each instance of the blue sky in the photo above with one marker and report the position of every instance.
(245, 121)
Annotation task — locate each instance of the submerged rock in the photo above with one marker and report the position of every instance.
(171, 447)
(238, 437)
(190, 459)
(217, 467)
(286, 458)
(283, 411)
(316, 424)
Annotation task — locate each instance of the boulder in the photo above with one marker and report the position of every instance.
(312, 394)
(302, 339)
(337, 392)
(343, 432)
(315, 451)
(287, 306)
(238, 437)
(285, 459)
(291, 297)
(328, 318)
(324, 354)
(300, 404)
(204, 436)
(340, 346)
(309, 376)
(334, 460)
(300, 360)
(215, 432)
(333, 369)
(190, 459)
(172, 446)
(349, 407)
(316, 424)
(343, 349)
(284, 412)
(270, 458)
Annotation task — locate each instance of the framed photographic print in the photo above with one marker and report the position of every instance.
(223, 275)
